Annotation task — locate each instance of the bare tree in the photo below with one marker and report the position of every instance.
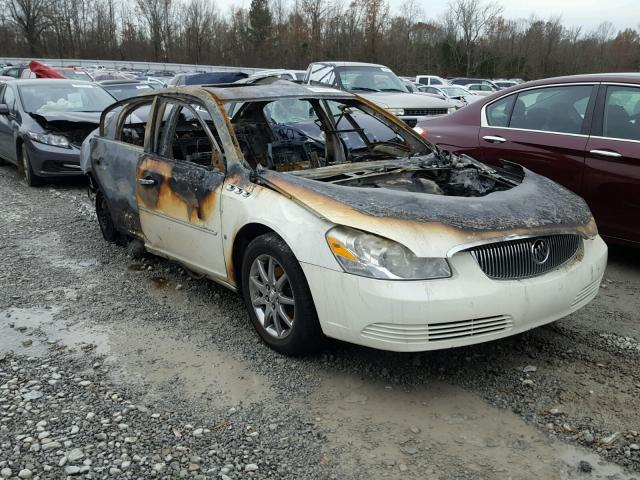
(375, 13)
(30, 17)
(471, 18)
(473, 38)
(314, 12)
(153, 13)
(199, 20)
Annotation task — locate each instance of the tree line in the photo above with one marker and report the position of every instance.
(472, 38)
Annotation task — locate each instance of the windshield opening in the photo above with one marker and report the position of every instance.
(302, 134)
(64, 97)
(369, 79)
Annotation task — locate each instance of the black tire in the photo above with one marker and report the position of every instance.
(25, 169)
(304, 336)
(107, 227)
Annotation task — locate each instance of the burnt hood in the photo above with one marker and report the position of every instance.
(434, 224)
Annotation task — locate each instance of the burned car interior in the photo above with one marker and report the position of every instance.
(301, 134)
(344, 142)
(185, 131)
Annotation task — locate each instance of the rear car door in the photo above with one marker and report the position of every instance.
(544, 129)
(612, 165)
(179, 181)
(114, 158)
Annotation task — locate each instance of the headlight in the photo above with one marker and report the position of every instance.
(371, 256)
(451, 109)
(396, 111)
(50, 139)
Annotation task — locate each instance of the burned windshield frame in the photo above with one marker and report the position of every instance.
(337, 130)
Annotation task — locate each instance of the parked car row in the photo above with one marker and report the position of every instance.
(317, 202)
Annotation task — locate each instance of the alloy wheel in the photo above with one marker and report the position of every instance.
(272, 296)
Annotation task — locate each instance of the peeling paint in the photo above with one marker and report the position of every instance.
(181, 191)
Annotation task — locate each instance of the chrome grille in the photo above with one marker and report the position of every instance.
(514, 259)
(424, 112)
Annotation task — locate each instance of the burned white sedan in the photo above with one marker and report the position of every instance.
(331, 217)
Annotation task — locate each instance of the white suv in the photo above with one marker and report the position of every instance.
(379, 85)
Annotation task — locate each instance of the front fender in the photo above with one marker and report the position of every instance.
(303, 231)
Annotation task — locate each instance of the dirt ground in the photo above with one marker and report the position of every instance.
(559, 402)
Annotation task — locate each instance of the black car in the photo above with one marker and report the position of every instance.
(44, 122)
(123, 89)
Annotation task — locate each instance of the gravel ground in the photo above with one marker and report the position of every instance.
(114, 367)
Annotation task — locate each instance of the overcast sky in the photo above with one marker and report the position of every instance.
(586, 13)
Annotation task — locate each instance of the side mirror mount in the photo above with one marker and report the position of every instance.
(4, 109)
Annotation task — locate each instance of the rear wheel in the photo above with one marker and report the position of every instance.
(107, 226)
(25, 169)
(278, 298)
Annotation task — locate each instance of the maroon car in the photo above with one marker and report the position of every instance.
(582, 131)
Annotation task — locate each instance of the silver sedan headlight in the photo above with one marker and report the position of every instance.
(50, 139)
(372, 256)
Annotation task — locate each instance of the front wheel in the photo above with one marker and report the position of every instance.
(278, 298)
(25, 169)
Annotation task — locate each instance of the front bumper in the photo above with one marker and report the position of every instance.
(50, 161)
(466, 309)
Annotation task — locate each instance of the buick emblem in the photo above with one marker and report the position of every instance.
(540, 251)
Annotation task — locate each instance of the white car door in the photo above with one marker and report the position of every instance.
(178, 187)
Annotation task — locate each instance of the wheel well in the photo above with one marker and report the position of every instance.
(243, 238)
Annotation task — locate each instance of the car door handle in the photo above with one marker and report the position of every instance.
(494, 139)
(605, 153)
(147, 181)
